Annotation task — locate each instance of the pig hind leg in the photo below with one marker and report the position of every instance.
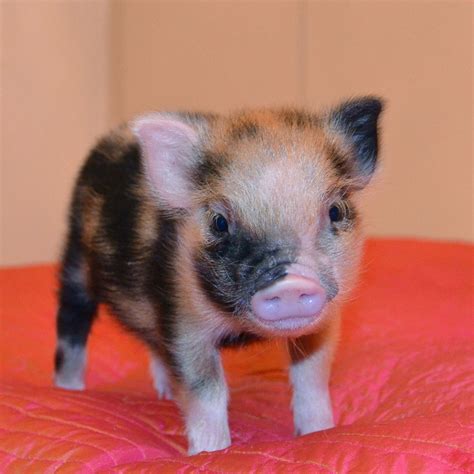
(77, 310)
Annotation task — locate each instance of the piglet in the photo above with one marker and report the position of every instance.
(201, 231)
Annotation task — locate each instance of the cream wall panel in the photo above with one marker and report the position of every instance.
(419, 56)
(209, 55)
(62, 62)
(54, 103)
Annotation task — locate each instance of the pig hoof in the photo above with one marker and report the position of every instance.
(161, 380)
(164, 391)
(68, 384)
(211, 445)
(70, 363)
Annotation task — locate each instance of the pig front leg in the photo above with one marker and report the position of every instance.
(203, 396)
(311, 358)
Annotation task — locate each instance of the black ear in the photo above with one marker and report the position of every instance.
(357, 121)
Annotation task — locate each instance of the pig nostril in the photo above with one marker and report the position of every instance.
(273, 305)
(306, 299)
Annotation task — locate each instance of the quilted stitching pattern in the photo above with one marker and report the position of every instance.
(402, 384)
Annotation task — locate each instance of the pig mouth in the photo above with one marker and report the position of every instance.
(288, 325)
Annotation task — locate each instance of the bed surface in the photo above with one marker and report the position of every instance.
(402, 384)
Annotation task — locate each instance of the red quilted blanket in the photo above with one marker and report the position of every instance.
(402, 383)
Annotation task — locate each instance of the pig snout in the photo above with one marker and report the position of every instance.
(292, 298)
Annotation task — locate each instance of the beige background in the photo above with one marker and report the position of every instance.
(72, 69)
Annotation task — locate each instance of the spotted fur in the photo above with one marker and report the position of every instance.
(184, 288)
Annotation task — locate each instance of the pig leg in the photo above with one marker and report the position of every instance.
(202, 396)
(311, 358)
(161, 379)
(76, 313)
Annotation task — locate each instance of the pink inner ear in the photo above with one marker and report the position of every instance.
(169, 153)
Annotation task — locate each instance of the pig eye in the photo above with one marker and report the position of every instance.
(220, 223)
(336, 213)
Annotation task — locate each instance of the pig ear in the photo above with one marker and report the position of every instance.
(170, 151)
(357, 121)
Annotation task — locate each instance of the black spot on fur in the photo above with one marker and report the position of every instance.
(233, 268)
(116, 181)
(161, 285)
(239, 340)
(119, 217)
(342, 164)
(208, 169)
(298, 118)
(270, 276)
(76, 314)
(203, 373)
(110, 165)
(244, 129)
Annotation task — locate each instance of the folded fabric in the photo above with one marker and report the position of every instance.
(402, 383)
